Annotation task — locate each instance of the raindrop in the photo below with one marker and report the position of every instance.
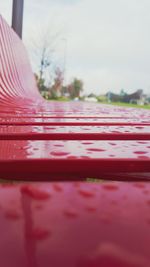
(140, 152)
(12, 215)
(86, 193)
(57, 187)
(39, 234)
(95, 149)
(35, 193)
(91, 209)
(59, 153)
(111, 187)
(70, 213)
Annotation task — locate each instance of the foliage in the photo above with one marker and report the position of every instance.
(75, 88)
(40, 83)
(94, 180)
(102, 98)
(56, 89)
(45, 54)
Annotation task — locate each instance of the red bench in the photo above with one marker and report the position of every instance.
(69, 223)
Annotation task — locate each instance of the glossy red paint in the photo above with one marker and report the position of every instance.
(37, 136)
(75, 224)
(84, 224)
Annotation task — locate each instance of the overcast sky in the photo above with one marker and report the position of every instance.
(107, 41)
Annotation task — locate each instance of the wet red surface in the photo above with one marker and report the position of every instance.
(71, 230)
(75, 224)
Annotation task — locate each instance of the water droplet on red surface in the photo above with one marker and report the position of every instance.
(87, 143)
(143, 157)
(59, 153)
(139, 127)
(111, 187)
(57, 187)
(12, 215)
(95, 149)
(70, 213)
(71, 157)
(139, 185)
(148, 202)
(140, 152)
(36, 193)
(91, 209)
(146, 192)
(86, 193)
(35, 148)
(39, 234)
(113, 144)
(142, 142)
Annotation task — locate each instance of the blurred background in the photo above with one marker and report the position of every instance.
(96, 51)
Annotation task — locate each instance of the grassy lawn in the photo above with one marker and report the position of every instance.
(127, 105)
(121, 104)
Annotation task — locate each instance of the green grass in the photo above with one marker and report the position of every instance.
(93, 180)
(127, 105)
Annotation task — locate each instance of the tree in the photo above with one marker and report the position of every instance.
(40, 83)
(56, 89)
(45, 56)
(75, 88)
